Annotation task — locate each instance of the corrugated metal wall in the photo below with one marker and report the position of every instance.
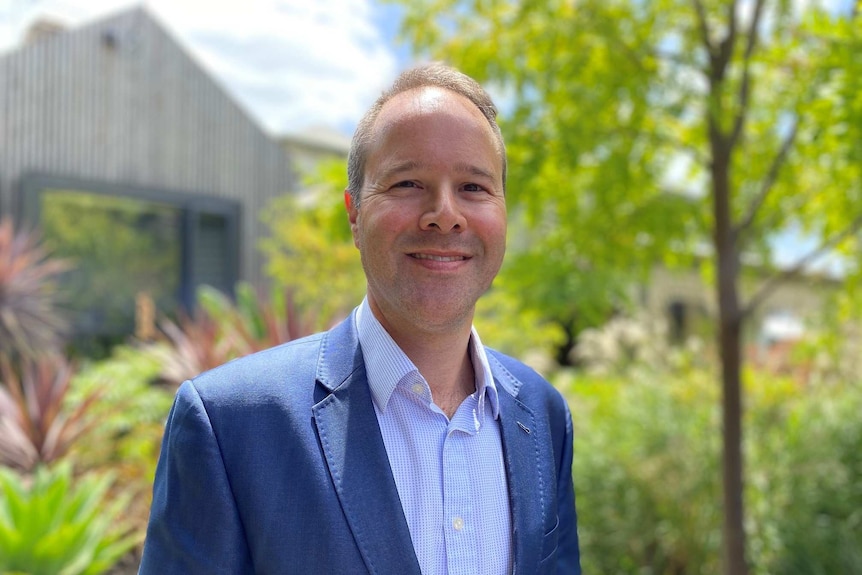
(119, 101)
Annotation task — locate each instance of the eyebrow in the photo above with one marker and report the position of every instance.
(462, 167)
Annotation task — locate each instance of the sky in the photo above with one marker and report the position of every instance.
(292, 64)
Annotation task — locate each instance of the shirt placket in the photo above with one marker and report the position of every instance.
(461, 531)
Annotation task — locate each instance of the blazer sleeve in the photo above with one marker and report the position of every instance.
(569, 559)
(194, 525)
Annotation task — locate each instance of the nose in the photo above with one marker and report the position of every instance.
(442, 212)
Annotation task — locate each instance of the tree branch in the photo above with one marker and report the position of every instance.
(725, 48)
(768, 182)
(704, 27)
(773, 282)
(745, 83)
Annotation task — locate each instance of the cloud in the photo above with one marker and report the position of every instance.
(291, 64)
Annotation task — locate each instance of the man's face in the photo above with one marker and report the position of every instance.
(431, 228)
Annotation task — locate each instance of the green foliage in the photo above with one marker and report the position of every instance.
(129, 423)
(54, 524)
(129, 414)
(642, 129)
(143, 255)
(310, 249)
(608, 109)
(806, 494)
(503, 326)
(829, 353)
(647, 475)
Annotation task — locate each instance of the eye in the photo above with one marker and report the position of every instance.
(405, 184)
(473, 188)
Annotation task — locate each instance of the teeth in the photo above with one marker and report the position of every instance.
(438, 258)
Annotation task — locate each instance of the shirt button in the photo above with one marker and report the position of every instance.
(417, 388)
(458, 524)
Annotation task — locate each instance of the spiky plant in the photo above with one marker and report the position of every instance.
(221, 330)
(54, 522)
(29, 322)
(256, 322)
(36, 425)
(189, 346)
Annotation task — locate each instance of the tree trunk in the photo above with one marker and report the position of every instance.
(730, 345)
(565, 351)
(732, 458)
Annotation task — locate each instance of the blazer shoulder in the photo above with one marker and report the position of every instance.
(518, 378)
(296, 359)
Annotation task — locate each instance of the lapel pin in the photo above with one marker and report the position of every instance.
(523, 427)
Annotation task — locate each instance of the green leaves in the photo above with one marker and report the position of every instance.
(52, 524)
(646, 471)
(606, 110)
(310, 251)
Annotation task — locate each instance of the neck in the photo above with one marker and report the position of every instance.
(442, 357)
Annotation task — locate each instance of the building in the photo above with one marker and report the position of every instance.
(307, 149)
(135, 164)
(687, 300)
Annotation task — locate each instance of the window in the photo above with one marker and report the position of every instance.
(678, 313)
(124, 242)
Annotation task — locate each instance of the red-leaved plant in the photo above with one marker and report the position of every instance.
(36, 425)
(29, 323)
(221, 330)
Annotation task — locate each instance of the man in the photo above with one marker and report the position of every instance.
(395, 443)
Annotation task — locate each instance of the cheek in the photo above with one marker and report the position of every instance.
(493, 229)
(367, 233)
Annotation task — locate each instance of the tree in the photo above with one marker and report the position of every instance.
(310, 250)
(649, 131)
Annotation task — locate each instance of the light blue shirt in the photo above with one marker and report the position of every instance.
(450, 474)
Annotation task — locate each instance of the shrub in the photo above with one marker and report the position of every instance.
(646, 473)
(52, 524)
(37, 427)
(221, 330)
(129, 423)
(29, 323)
(806, 478)
(648, 477)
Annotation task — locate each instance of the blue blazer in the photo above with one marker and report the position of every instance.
(274, 464)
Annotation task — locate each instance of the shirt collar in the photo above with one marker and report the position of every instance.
(386, 364)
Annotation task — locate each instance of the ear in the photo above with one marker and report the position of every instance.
(352, 214)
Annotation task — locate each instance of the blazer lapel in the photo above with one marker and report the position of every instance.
(521, 451)
(356, 456)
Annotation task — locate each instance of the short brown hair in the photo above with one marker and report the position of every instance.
(430, 75)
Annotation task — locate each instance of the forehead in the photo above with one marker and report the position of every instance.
(429, 106)
(425, 99)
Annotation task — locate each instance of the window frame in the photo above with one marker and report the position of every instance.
(191, 205)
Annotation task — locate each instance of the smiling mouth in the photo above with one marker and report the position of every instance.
(438, 258)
